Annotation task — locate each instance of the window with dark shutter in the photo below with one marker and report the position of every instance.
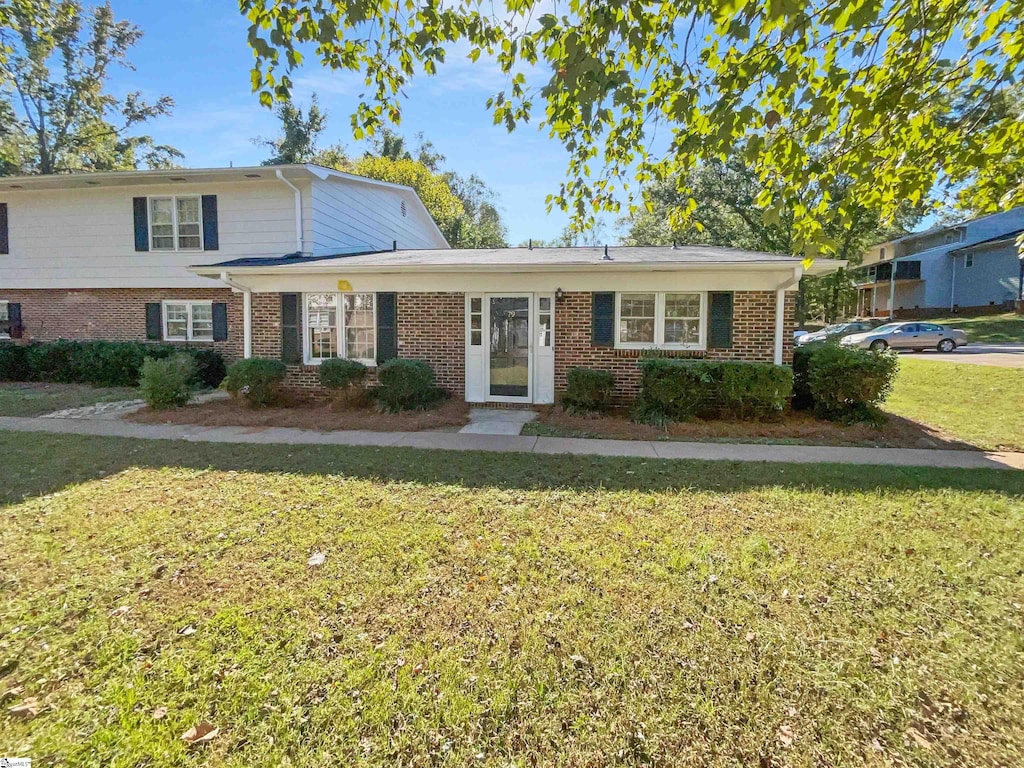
(603, 320)
(140, 208)
(720, 320)
(387, 326)
(154, 321)
(10, 320)
(291, 336)
(211, 239)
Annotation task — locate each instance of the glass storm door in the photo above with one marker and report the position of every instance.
(509, 318)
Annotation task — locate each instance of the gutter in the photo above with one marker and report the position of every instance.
(246, 313)
(300, 241)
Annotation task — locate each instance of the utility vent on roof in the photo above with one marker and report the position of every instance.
(404, 211)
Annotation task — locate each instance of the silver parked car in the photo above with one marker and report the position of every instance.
(916, 336)
(835, 332)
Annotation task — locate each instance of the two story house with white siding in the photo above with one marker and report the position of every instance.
(303, 263)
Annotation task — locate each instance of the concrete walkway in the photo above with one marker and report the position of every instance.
(497, 421)
(455, 441)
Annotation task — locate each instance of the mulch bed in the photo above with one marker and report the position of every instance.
(795, 427)
(310, 414)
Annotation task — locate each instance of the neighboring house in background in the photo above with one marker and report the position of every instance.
(303, 263)
(970, 266)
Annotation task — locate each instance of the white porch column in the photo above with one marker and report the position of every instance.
(780, 323)
(892, 291)
(247, 324)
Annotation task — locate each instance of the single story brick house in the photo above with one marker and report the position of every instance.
(193, 257)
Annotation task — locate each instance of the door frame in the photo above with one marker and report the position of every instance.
(531, 350)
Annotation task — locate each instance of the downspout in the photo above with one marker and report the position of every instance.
(300, 240)
(246, 313)
(780, 312)
(952, 287)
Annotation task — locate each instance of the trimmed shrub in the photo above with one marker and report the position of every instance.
(588, 390)
(847, 383)
(168, 383)
(14, 362)
(678, 390)
(346, 379)
(802, 398)
(256, 380)
(112, 363)
(406, 385)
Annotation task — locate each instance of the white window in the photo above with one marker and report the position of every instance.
(476, 321)
(660, 320)
(4, 319)
(969, 260)
(175, 224)
(544, 321)
(188, 321)
(340, 325)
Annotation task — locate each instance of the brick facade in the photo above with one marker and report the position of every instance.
(431, 327)
(114, 314)
(753, 339)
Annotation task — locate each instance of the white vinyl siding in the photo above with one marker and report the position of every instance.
(339, 325)
(188, 320)
(175, 223)
(660, 320)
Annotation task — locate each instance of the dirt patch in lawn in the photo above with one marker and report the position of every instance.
(312, 414)
(796, 427)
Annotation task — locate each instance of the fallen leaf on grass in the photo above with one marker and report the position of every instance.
(318, 559)
(751, 637)
(121, 611)
(785, 735)
(918, 738)
(189, 630)
(200, 734)
(27, 709)
(159, 713)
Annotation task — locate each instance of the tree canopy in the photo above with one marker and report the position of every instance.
(300, 132)
(642, 92)
(57, 114)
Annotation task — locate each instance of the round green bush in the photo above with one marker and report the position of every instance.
(406, 385)
(167, 383)
(257, 380)
(14, 362)
(848, 384)
(588, 390)
(341, 373)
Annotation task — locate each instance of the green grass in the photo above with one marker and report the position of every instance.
(978, 404)
(503, 609)
(991, 329)
(17, 399)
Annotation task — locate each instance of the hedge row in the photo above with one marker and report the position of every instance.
(99, 363)
(679, 390)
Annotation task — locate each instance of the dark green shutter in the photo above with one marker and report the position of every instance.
(387, 326)
(603, 320)
(154, 321)
(291, 335)
(720, 320)
(211, 239)
(220, 321)
(140, 206)
(5, 240)
(14, 326)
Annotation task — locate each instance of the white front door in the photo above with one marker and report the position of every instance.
(509, 348)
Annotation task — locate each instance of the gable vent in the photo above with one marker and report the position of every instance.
(404, 210)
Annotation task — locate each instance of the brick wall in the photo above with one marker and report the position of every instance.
(114, 314)
(431, 327)
(753, 334)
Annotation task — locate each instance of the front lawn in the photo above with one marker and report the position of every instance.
(979, 404)
(36, 399)
(502, 609)
(990, 329)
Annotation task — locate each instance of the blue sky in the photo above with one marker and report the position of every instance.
(195, 51)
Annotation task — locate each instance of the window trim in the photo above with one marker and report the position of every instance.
(659, 323)
(189, 332)
(307, 341)
(6, 305)
(174, 222)
(969, 260)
